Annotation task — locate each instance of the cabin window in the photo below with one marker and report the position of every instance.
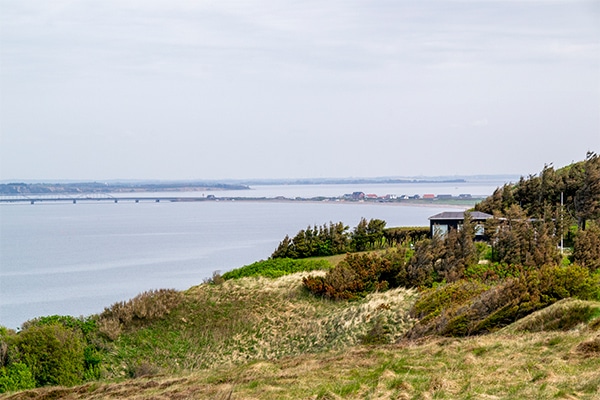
(440, 229)
(479, 230)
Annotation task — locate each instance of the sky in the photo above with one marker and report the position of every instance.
(223, 89)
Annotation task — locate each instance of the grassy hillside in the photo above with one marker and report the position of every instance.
(258, 338)
(253, 319)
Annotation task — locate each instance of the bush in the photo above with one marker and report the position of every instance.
(359, 274)
(432, 302)
(15, 377)
(492, 272)
(276, 267)
(7, 337)
(437, 307)
(85, 325)
(484, 251)
(562, 315)
(465, 308)
(144, 308)
(53, 353)
(558, 282)
(88, 327)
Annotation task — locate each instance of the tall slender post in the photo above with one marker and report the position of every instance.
(562, 229)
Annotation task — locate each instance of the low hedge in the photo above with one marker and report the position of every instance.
(277, 267)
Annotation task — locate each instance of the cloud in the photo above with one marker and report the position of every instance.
(339, 80)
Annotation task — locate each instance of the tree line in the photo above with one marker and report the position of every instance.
(334, 238)
(337, 238)
(539, 196)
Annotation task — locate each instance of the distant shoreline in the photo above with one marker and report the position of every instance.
(148, 186)
(13, 189)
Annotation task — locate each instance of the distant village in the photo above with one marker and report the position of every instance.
(358, 196)
(461, 199)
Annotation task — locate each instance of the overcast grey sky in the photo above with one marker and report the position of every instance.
(289, 89)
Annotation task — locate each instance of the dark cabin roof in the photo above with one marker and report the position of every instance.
(459, 215)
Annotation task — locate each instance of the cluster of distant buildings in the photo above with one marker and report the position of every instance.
(361, 196)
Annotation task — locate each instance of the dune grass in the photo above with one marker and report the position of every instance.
(260, 338)
(255, 319)
(541, 365)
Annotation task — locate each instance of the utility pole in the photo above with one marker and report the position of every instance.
(562, 229)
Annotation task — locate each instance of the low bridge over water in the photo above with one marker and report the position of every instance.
(32, 199)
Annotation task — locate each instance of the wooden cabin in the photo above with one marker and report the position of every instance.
(441, 223)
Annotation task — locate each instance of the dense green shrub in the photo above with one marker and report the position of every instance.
(14, 377)
(85, 325)
(433, 301)
(93, 353)
(359, 274)
(484, 251)
(464, 308)
(276, 267)
(492, 272)
(53, 353)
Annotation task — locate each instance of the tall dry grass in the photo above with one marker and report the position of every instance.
(143, 308)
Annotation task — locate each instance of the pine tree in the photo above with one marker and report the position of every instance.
(586, 249)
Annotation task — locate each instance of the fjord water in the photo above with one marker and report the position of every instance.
(76, 259)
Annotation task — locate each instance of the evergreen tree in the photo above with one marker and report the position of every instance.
(458, 252)
(375, 229)
(587, 197)
(285, 249)
(420, 271)
(586, 248)
(518, 239)
(360, 237)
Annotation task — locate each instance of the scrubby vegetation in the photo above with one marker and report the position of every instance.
(346, 316)
(269, 339)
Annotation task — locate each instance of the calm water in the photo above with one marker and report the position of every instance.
(76, 259)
